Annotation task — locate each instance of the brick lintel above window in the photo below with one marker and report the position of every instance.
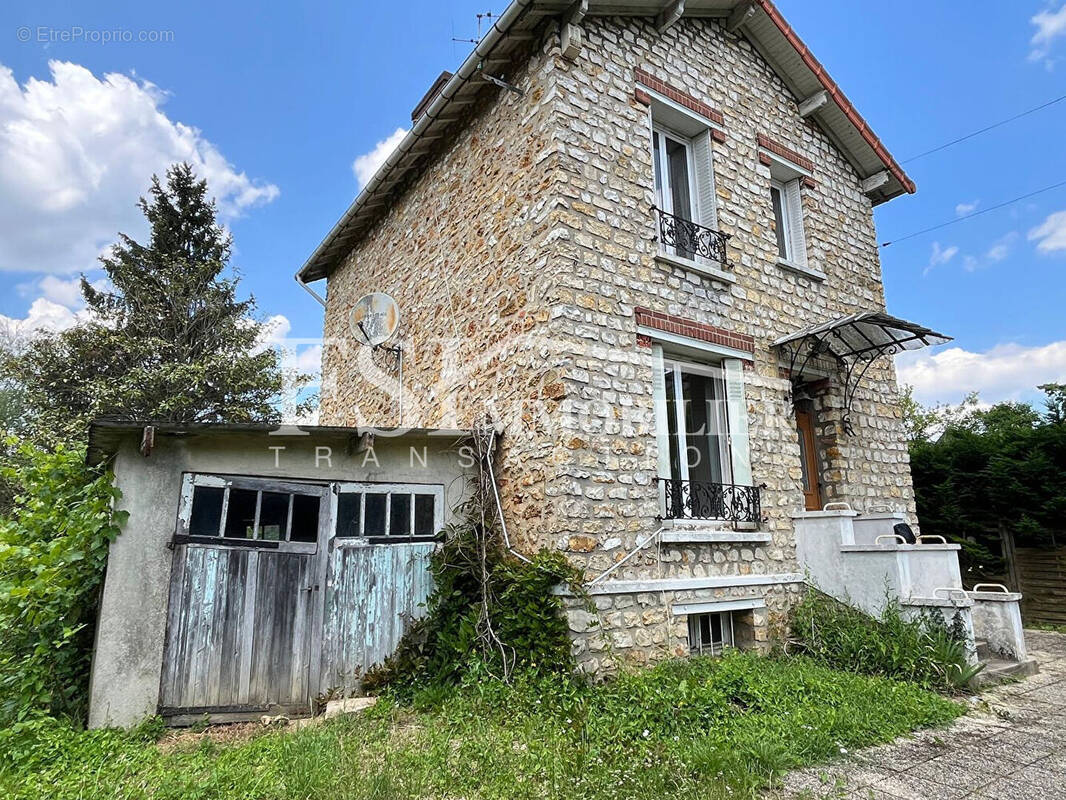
(768, 146)
(682, 98)
(680, 326)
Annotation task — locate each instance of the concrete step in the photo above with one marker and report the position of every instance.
(998, 670)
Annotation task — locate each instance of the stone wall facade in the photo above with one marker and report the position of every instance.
(520, 258)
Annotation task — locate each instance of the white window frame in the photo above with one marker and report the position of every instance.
(721, 414)
(786, 221)
(665, 197)
(788, 179)
(389, 489)
(693, 130)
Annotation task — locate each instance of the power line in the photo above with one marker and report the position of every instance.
(974, 214)
(984, 130)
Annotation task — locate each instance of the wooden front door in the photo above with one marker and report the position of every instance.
(812, 491)
(246, 598)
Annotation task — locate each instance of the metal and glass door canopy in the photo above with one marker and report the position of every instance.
(864, 335)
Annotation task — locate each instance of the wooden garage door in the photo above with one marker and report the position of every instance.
(246, 598)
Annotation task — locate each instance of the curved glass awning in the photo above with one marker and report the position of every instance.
(854, 342)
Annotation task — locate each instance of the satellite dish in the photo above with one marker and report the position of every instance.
(374, 319)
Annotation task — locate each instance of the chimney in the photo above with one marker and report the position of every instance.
(434, 90)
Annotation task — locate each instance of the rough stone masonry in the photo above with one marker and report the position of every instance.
(521, 256)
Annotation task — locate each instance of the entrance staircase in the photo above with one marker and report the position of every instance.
(861, 561)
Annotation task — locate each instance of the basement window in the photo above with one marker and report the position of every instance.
(710, 634)
(389, 512)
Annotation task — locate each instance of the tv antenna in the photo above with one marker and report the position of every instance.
(487, 16)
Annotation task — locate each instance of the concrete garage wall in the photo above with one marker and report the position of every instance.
(127, 663)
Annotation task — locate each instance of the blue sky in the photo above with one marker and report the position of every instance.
(276, 101)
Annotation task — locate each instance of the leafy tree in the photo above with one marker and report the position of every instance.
(168, 340)
(921, 423)
(992, 472)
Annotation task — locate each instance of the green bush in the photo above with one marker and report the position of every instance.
(923, 650)
(489, 612)
(53, 549)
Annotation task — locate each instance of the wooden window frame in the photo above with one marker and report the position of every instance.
(364, 488)
(191, 481)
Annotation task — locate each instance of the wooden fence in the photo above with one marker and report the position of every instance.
(1040, 575)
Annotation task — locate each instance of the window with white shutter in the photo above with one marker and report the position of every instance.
(683, 163)
(787, 205)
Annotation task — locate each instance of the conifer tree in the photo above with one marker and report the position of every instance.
(166, 340)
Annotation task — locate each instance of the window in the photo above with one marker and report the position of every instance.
(777, 196)
(250, 509)
(673, 174)
(380, 511)
(683, 176)
(786, 201)
(710, 634)
(696, 422)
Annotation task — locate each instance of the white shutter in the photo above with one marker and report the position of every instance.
(737, 408)
(662, 428)
(707, 211)
(794, 209)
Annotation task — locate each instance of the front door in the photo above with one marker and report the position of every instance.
(246, 598)
(812, 491)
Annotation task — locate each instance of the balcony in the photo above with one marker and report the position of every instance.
(689, 240)
(694, 500)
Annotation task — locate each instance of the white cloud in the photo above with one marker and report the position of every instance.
(1050, 235)
(1006, 372)
(1050, 25)
(940, 256)
(367, 164)
(76, 152)
(962, 209)
(43, 315)
(997, 252)
(65, 292)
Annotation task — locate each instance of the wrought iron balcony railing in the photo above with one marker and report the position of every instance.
(697, 500)
(689, 239)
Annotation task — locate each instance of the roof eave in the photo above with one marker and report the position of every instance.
(874, 157)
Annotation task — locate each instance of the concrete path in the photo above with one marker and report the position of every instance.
(1012, 746)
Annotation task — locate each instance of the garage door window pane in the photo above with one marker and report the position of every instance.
(374, 516)
(273, 516)
(206, 516)
(304, 518)
(424, 515)
(240, 518)
(349, 507)
(400, 515)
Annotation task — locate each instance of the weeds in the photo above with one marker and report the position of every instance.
(923, 650)
(717, 728)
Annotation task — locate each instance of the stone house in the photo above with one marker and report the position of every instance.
(639, 237)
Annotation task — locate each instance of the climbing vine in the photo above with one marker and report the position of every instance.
(490, 609)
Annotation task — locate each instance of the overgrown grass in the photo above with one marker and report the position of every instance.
(923, 650)
(714, 727)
